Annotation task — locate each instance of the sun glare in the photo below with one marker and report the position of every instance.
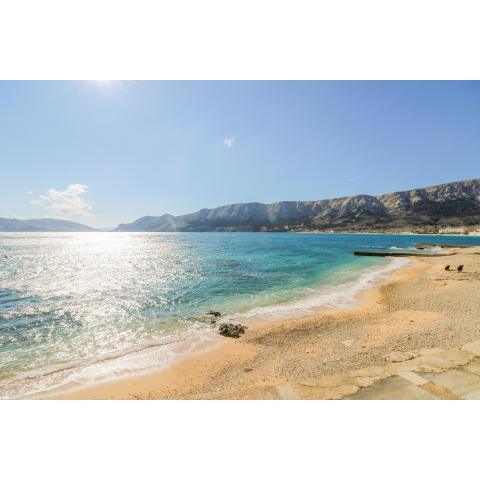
(104, 85)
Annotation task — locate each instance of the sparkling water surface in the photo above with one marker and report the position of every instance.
(70, 301)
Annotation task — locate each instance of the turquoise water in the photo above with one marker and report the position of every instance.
(83, 306)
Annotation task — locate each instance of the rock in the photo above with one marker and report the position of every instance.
(347, 343)
(233, 330)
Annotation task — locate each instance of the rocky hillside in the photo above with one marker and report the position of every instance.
(42, 225)
(450, 204)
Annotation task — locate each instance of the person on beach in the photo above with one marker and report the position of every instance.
(447, 268)
(460, 269)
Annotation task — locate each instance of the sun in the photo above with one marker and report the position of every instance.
(104, 85)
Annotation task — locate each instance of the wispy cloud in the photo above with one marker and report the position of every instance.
(229, 141)
(67, 204)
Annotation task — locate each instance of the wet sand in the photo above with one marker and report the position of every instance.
(422, 306)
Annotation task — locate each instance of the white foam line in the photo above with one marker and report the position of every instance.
(333, 296)
(149, 359)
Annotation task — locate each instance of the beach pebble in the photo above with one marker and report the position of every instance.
(347, 343)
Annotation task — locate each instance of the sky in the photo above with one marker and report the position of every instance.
(109, 152)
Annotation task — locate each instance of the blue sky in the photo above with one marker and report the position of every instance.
(109, 152)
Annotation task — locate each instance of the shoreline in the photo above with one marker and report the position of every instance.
(328, 298)
(226, 348)
(347, 232)
(405, 312)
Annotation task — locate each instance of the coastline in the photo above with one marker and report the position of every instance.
(159, 357)
(420, 307)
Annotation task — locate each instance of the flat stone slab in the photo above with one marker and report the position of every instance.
(473, 347)
(473, 366)
(442, 361)
(413, 378)
(434, 362)
(392, 388)
(473, 395)
(460, 381)
(429, 374)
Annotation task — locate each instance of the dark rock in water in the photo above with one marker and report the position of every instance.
(213, 313)
(231, 263)
(204, 319)
(233, 330)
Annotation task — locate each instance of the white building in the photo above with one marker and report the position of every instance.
(454, 230)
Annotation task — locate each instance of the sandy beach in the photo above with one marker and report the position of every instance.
(421, 306)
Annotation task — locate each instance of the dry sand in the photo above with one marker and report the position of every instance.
(421, 306)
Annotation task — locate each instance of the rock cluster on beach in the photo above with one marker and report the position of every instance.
(233, 330)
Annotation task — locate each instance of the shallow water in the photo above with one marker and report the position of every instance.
(77, 307)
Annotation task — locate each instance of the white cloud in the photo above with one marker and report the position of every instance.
(229, 141)
(29, 192)
(67, 204)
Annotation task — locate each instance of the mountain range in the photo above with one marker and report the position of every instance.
(421, 209)
(42, 225)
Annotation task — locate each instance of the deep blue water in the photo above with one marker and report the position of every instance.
(70, 301)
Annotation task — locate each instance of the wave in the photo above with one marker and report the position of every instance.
(331, 296)
(148, 357)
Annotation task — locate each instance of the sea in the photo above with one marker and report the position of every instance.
(79, 308)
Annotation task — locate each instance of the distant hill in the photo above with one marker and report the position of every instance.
(42, 225)
(450, 204)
